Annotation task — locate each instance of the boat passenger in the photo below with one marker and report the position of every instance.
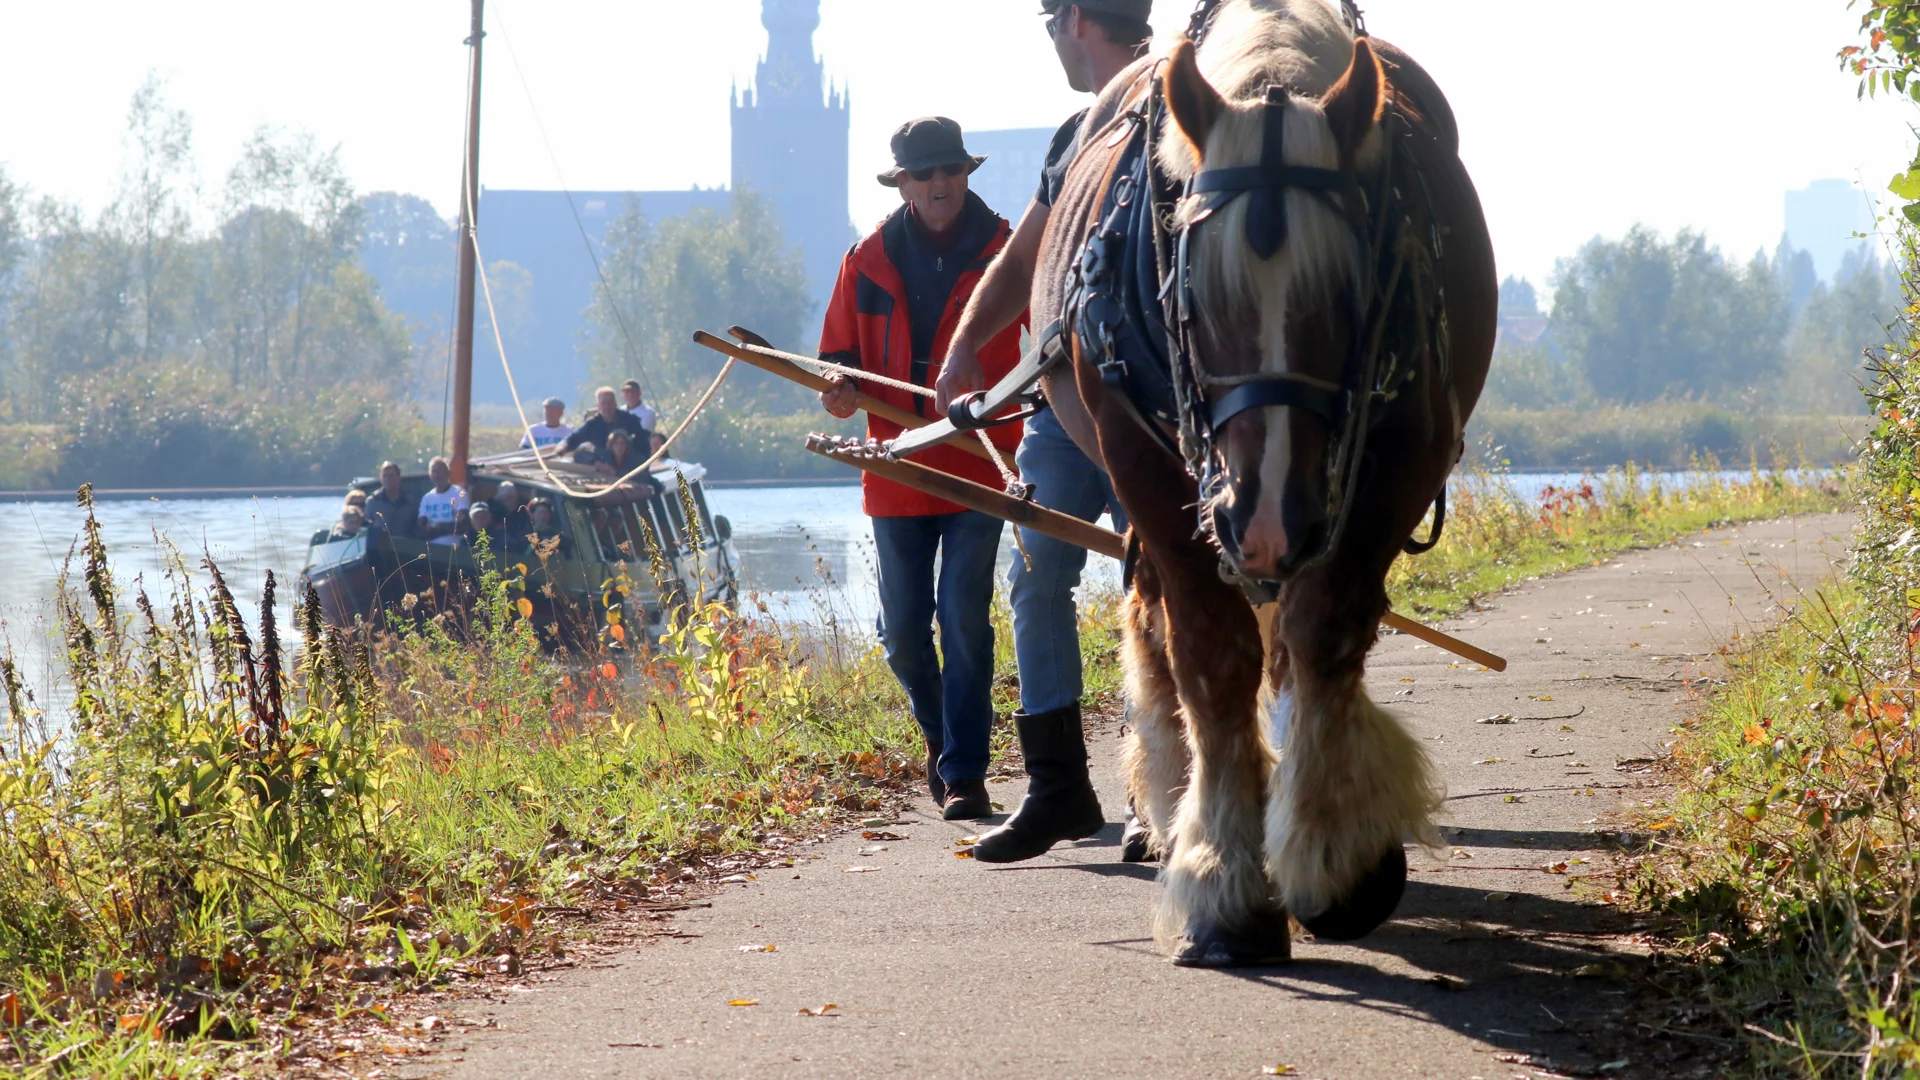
(607, 418)
(440, 509)
(509, 511)
(551, 433)
(352, 520)
(356, 497)
(543, 529)
(481, 520)
(619, 459)
(634, 400)
(389, 508)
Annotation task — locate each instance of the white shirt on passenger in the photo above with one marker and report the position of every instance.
(442, 508)
(544, 435)
(645, 414)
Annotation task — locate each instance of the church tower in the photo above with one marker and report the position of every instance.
(790, 141)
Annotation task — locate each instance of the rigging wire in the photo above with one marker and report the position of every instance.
(500, 344)
(613, 301)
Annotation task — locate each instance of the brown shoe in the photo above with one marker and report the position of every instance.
(967, 801)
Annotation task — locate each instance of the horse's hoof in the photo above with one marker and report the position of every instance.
(1367, 905)
(1264, 941)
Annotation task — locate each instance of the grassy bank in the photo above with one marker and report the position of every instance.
(1787, 861)
(233, 845)
(1495, 537)
(1664, 435)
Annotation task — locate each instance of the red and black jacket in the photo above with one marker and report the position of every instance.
(867, 327)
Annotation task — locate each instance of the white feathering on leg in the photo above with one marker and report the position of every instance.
(1351, 784)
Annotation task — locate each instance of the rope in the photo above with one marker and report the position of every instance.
(493, 318)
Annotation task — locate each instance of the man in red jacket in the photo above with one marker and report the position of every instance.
(899, 296)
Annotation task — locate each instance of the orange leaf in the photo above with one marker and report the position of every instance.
(526, 608)
(10, 1012)
(1756, 735)
(133, 1023)
(743, 1001)
(618, 632)
(608, 671)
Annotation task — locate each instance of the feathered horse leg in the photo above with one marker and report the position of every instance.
(1156, 760)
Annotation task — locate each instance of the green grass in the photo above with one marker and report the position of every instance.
(1787, 858)
(1494, 537)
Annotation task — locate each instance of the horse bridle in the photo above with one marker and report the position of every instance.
(1207, 401)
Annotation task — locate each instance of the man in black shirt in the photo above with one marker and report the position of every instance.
(1095, 40)
(609, 418)
(389, 508)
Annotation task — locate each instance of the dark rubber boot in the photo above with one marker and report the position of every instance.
(967, 801)
(1060, 803)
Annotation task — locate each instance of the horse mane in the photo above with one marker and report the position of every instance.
(1305, 46)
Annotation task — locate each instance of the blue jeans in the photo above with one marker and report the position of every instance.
(1046, 624)
(953, 701)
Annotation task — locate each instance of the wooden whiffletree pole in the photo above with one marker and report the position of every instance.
(469, 214)
(985, 499)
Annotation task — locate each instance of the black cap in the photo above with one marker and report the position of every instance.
(1140, 10)
(925, 143)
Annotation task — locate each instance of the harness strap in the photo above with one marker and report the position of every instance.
(1329, 405)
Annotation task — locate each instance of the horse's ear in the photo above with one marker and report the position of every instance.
(1356, 102)
(1195, 104)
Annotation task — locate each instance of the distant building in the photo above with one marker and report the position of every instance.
(1012, 172)
(789, 144)
(1824, 218)
(790, 141)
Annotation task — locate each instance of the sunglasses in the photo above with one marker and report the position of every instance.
(926, 174)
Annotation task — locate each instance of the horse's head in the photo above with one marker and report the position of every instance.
(1277, 272)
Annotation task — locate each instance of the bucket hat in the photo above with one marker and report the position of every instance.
(926, 143)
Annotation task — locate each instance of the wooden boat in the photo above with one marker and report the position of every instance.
(602, 564)
(360, 580)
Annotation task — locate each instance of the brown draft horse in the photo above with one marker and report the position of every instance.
(1316, 824)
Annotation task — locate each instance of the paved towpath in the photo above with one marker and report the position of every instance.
(946, 969)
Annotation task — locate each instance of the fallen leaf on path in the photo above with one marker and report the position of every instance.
(881, 836)
(736, 879)
(966, 841)
(1491, 761)
(1448, 982)
(824, 1010)
(636, 1046)
(963, 853)
(1514, 798)
(1499, 896)
(875, 823)
(875, 850)
(743, 1001)
(1497, 718)
(1279, 1070)
(861, 870)
(759, 948)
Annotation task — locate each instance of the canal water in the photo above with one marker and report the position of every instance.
(805, 551)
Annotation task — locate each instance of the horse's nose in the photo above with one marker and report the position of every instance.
(1277, 540)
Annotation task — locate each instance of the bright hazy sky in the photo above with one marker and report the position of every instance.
(1578, 119)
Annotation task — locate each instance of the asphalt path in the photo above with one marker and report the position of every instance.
(1496, 966)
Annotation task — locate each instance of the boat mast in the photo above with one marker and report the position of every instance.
(469, 213)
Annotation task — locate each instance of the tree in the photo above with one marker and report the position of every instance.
(701, 269)
(150, 213)
(1827, 351)
(1643, 318)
